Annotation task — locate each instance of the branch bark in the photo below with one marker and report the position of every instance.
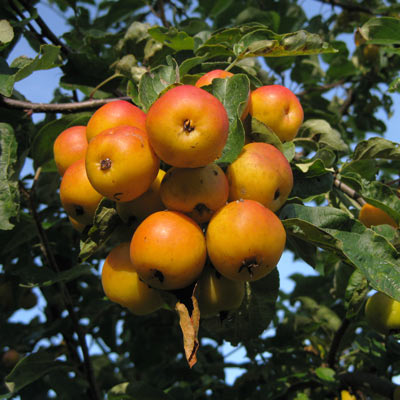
(349, 191)
(332, 354)
(52, 263)
(63, 108)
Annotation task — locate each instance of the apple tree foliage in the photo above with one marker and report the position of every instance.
(310, 343)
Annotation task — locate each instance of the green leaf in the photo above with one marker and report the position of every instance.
(6, 33)
(377, 147)
(308, 188)
(321, 132)
(190, 63)
(33, 367)
(395, 86)
(7, 78)
(384, 30)
(105, 221)
(356, 291)
(334, 230)
(253, 316)
(64, 276)
(153, 83)
(136, 391)
(262, 133)
(48, 57)
(325, 374)
(42, 145)
(9, 193)
(266, 43)
(233, 93)
(177, 40)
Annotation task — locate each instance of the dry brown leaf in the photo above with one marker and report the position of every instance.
(190, 327)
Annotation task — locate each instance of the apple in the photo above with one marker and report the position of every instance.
(187, 127)
(277, 107)
(114, 114)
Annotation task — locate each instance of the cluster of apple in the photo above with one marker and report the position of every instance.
(196, 221)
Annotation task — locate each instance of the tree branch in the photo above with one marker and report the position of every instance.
(56, 108)
(365, 380)
(348, 7)
(45, 29)
(349, 191)
(52, 263)
(322, 88)
(331, 358)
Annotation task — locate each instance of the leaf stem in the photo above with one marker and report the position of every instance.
(109, 79)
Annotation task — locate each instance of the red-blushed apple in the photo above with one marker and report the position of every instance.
(114, 114)
(261, 173)
(120, 163)
(187, 127)
(78, 197)
(277, 107)
(69, 146)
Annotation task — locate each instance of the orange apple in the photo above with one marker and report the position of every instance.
(187, 127)
(120, 163)
(261, 173)
(148, 203)
(245, 240)
(197, 192)
(113, 114)
(168, 250)
(278, 108)
(372, 216)
(78, 197)
(69, 146)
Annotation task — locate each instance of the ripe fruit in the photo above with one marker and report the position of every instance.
(114, 114)
(78, 197)
(382, 313)
(187, 127)
(261, 173)
(215, 293)
(198, 192)
(76, 225)
(168, 250)
(371, 216)
(122, 285)
(69, 146)
(278, 108)
(148, 203)
(245, 240)
(207, 79)
(120, 163)
(10, 358)
(345, 395)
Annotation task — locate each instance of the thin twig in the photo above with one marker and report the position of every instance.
(321, 88)
(45, 29)
(57, 108)
(52, 263)
(349, 191)
(331, 358)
